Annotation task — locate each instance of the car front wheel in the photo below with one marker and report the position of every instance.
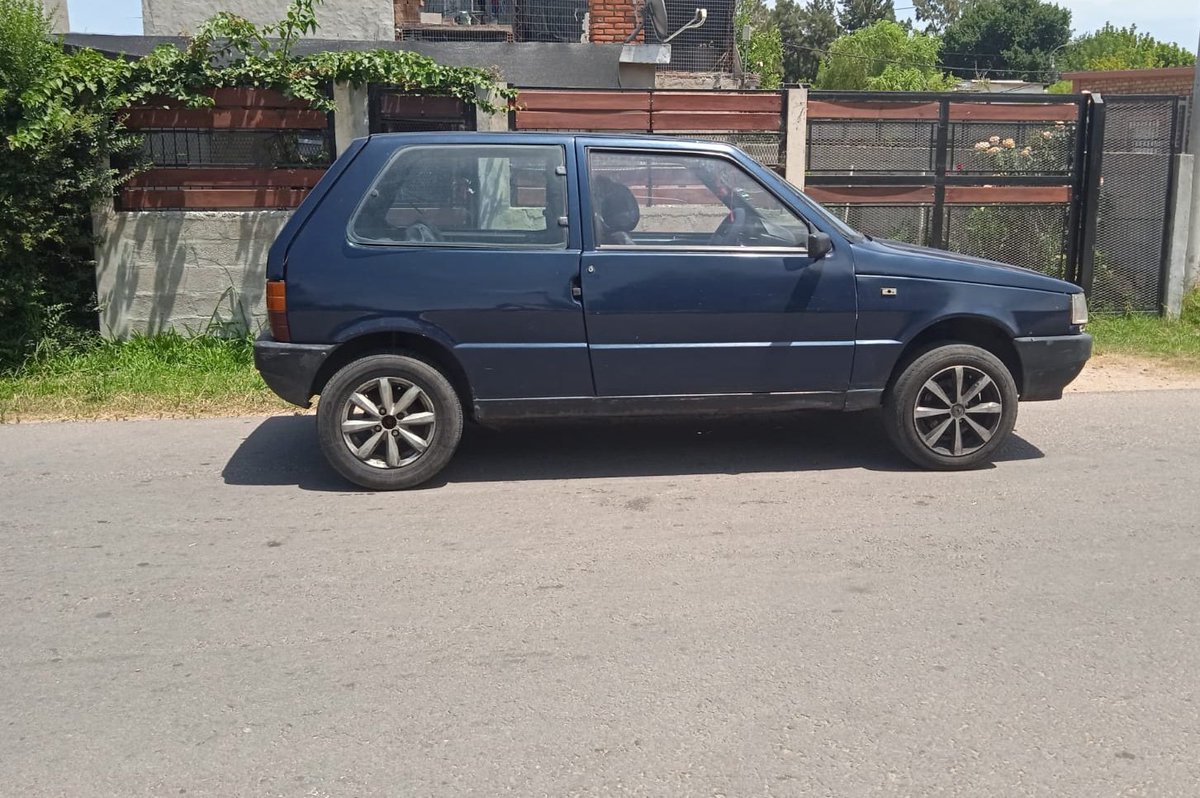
(389, 422)
(951, 408)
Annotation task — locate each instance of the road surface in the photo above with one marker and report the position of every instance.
(758, 607)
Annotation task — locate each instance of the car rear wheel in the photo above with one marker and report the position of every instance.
(951, 408)
(389, 422)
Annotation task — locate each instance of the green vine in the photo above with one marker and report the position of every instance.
(230, 51)
(60, 129)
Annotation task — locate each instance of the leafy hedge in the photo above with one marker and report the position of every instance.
(60, 128)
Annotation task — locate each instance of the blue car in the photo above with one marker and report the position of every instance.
(434, 277)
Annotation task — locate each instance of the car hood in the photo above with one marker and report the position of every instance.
(898, 259)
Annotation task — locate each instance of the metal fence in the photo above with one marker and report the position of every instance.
(392, 110)
(996, 177)
(1142, 135)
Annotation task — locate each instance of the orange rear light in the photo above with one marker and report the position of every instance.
(277, 310)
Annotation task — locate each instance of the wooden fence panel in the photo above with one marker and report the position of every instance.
(202, 184)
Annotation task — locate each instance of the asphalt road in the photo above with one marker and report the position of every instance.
(761, 607)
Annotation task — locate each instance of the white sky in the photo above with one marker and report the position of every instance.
(1170, 20)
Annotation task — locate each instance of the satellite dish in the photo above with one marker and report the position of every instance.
(655, 12)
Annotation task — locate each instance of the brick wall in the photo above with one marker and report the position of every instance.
(406, 12)
(611, 20)
(1174, 80)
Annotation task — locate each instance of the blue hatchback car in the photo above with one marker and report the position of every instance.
(431, 277)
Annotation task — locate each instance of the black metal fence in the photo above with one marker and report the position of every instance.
(1001, 177)
(1141, 137)
(391, 110)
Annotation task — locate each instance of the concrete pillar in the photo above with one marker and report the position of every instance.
(351, 115)
(488, 121)
(1183, 228)
(796, 125)
(56, 12)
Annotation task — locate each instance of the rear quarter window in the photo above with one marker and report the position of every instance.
(495, 196)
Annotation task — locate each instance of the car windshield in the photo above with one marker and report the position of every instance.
(841, 226)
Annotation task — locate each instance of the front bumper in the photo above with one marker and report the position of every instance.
(1049, 363)
(290, 370)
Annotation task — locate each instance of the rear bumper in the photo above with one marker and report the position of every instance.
(1048, 364)
(289, 369)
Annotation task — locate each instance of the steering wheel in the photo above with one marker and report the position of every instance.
(733, 230)
(423, 233)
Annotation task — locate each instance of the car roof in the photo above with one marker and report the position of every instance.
(552, 137)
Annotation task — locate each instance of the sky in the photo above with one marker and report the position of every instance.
(1169, 20)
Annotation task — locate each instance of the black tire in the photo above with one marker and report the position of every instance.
(396, 464)
(933, 377)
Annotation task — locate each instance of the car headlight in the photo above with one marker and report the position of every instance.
(1079, 315)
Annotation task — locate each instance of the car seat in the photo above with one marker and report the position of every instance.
(617, 212)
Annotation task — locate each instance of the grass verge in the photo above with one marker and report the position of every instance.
(171, 375)
(1175, 341)
(164, 375)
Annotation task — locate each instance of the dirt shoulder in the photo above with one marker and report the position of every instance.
(1115, 372)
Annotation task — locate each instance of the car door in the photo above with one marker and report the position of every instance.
(696, 280)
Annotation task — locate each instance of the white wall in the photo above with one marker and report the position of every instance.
(339, 19)
(56, 11)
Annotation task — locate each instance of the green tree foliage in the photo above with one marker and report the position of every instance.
(806, 31)
(937, 14)
(885, 56)
(60, 127)
(856, 14)
(761, 52)
(1009, 39)
(55, 130)
(1121, 48)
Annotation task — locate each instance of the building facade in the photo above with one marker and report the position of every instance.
(708, 49)
(340, 19)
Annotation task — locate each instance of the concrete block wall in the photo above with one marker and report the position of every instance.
(188, 271)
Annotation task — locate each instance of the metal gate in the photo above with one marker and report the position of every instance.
(1002, 177)
(1142, 134)
(391, 110)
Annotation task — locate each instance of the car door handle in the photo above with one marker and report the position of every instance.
(576, 288)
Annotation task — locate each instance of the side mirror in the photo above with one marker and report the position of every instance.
(819, 245)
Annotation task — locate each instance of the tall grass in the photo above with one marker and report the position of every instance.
(167, 374)
(1174, 340)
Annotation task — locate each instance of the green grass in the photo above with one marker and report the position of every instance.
(1176, 341)
(174, 375)
(162, 375)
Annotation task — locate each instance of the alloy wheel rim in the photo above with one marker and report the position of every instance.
(388, 422)
(958, 411)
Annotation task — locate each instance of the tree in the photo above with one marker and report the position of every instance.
(885, 56)
(857, 14)
(761, 52)
(1013, 39)
(1121, 48)
(937, 14)
(806, 32)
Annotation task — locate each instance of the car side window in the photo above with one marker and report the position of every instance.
(498, 196)
(683, 200)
